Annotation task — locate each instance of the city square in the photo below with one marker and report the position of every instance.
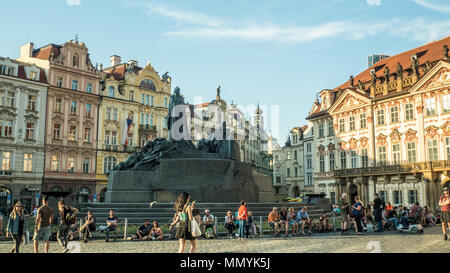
(192, 127)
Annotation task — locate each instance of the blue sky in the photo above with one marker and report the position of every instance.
(272, 52)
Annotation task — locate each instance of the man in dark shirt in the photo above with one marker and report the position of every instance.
(344, 209)
(111, 223)
(67, 216)
(378, 212)
(143, 231)
(88, 227)
(42, 230)
(392, 216)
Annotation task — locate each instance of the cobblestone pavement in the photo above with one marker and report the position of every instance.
(429, 242)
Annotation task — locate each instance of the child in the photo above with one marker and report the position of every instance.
(323, 222)
(250, 224)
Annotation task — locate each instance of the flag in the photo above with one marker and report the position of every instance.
(126, 128)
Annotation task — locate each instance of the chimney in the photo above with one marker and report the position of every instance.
(26, 51)
(115, 60)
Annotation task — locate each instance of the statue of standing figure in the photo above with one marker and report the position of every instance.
(175, 99)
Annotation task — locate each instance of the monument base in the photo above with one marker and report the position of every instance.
(205, 179)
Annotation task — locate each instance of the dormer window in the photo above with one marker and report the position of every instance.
(32, 75)
(111, 91)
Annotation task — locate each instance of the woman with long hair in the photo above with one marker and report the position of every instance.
(17, 225)
(183, 219)
(357, 213)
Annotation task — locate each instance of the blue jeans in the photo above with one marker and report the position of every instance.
(242, 224)
(394, 220)
(108, 230)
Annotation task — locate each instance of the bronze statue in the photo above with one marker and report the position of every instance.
(361, 85)
(387, 72)
(399, 70)
(351, 80)
(373, 77)
(175, 99)
(165, 76)
(445, 51)
(415, 65)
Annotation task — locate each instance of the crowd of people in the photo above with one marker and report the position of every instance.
(189, 225)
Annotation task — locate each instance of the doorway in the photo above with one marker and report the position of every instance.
(353, 192)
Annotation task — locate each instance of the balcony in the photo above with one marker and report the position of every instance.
(146, 127)
(114, 148)
(6, 173)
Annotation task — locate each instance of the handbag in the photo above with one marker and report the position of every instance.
(195, 229)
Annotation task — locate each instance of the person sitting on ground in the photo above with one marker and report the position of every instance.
(229, 224)
(392, 217)
(274, 221)
(74, 232)
(427, 217)
(389, 207)
(208, 222)
(323, 222)
(250, 225)
(414, 211)
(303, 217)
(292, 220)
(283, 220)
(156, 232)
(111, 223)
(405, 218)
(88, 226)
(142, 234)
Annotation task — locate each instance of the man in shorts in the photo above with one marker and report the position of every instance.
(274, 221)
(444, 203)
(42, 231)
(344, 208)
(208, 222)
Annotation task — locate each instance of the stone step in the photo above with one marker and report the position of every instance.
(170, 205)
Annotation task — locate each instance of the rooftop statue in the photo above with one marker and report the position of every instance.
(399, 70)
(175, 99)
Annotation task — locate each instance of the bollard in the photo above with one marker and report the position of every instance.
(334, 222)
(125, 230)
(260, 226)
(79, 230)
(215, 222)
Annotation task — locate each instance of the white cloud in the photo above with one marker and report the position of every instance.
(431, 6)
(373, 2)
(183, 15)
(73, 2)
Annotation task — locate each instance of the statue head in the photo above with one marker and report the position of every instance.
(177, 91)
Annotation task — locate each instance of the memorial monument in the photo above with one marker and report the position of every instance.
(210, 171)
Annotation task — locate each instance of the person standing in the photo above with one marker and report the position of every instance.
(42, 229)
(444, 203)
(67, 218)
(183, 221)
(344, 209)
(378, 212)
(17, 224)
(357, 212)
(242, 220)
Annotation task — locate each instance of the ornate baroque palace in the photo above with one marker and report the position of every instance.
(387, 130)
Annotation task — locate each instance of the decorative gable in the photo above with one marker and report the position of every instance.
(381, 139)
(441, 78)
(431, 131)
(446, 129)
(411, 135)
(395, 136)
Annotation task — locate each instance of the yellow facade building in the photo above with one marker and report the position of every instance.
(133, 110)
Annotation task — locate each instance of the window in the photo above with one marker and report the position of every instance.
(71, 164)
(296, 171)
(151, 120)
(288, 155)
(352, 124)
(130, 140)
(108, 113)
(309, 162)
(432, 150)
(88, 110)
(397, 197)
(59, 82)
(86, 163)
(10, 99)
(322, 163)
(72, 133)
(8, 132)
(382, 154)
(430, 105)
(341, 125)
(56, 131)
(147, 99)
(107, 137)
(32, 75)
(288, 172)
(73, 108)
(115, 117)
(321, 134)
(382, 195)
(394, 114)
(331, 161)
(412, 196)
(27, 162)
(308, 147)
(295, 155)
(446, 103)
(353, 159)
(146, 119)
(333, 197)
(380, 117)
(447, 147)
(31, 103)
(111, 92)
(87, 135)
(396, 153)
(409, 111)
(310, 180)
(152, 101)
(113, 138)
(131, 95)
(58, 105)
(142, 99)
(74, 85)
(2, 98)
(89, 88)
(6, 161)
(55, 163)
(109, 163)
(330, 129)
(362, 121)
(411, 152)
(364, 158)
(343, 160)
(165, 102)
(29, 132)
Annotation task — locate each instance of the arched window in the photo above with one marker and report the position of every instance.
(109, 163)
(76, 60)
(147, 84)
(111, 91)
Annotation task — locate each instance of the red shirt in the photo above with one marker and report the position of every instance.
(243, 212)
(443, 199)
